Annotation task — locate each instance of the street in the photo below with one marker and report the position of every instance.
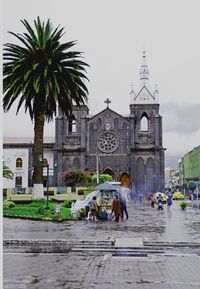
(151, 249)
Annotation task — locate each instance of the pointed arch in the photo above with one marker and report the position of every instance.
(144, 122)
(116, 123)
(140, 176)
(76, 163)
(125, 180)
(110, 172)
(124, 126)
(67, 164)
(72, 124)
(99, 124)
(91, 126)
(150, 179)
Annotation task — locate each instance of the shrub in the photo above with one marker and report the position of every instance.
(102, 178)
(183, 205)
(68, 203)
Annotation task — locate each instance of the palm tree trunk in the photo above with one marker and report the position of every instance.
(38, 192)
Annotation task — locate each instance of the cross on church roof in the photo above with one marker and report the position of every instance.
(107, 101)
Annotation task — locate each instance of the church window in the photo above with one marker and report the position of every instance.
(108, 143)
(18, 182)
(99, 124)
(19, 163)
(91, 126)
(116, 123)
(76, 163)
(72, 126)
(67, 164)
(144, 124)
(124, 126)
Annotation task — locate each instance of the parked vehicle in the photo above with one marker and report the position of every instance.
(178, 196)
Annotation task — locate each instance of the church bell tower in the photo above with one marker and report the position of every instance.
(147, 152)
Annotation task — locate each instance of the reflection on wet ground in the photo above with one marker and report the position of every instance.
(143, 222)
(86, 259)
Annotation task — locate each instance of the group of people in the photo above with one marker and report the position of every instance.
(159, 202)
(119, 208)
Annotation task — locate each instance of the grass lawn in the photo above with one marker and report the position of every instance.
(37, 211)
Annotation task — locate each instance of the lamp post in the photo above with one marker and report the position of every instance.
(47, 201)
(97, 167)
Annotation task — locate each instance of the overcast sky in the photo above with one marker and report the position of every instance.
(112, 34)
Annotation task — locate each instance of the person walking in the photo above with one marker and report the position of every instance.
(169, 202)
(160, 203)
(123, 204)
(94, 208)
(152, 200)
(116, 208)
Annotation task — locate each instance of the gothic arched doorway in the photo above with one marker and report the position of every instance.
(110, 172)
(125, 180)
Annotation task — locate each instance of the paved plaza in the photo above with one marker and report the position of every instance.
(151, 249)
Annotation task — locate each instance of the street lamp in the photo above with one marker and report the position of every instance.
(97, 167)
(47, 201)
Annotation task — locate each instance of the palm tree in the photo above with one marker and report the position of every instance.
(40, 74)
(7, 173)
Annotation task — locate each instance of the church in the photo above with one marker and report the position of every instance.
(129, 148)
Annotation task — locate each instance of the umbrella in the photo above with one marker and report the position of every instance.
(105, 187)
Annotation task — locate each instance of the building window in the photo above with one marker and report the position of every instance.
(45, 162)
(72, 127)
(19, 163)
(18, 182)
(144, 123)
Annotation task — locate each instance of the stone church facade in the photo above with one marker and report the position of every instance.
(129, 148)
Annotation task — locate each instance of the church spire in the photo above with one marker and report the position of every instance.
(144, 72)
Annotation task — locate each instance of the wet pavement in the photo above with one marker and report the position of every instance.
(82, 254)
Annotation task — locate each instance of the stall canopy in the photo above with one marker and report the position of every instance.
(106, 187)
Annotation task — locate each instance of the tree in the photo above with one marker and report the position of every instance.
(7, 173)
(40, 74)
(192, 185)
(75, 177)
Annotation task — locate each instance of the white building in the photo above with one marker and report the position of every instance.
(17, 154)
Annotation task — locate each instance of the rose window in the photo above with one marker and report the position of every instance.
(107, 143)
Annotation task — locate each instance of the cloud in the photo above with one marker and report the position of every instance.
(182, 118)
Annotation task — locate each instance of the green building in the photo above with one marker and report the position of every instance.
(190, 166)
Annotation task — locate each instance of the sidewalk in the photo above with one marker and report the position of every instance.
(92, 260)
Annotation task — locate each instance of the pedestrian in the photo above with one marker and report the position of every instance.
(160, 203)
(140, 197)
(152, 200)
(123, 204)
(169, 202)
(94, 208)
(57, 210)
(116, 208)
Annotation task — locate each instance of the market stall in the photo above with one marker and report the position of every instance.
(104, 194)
(104, 200)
